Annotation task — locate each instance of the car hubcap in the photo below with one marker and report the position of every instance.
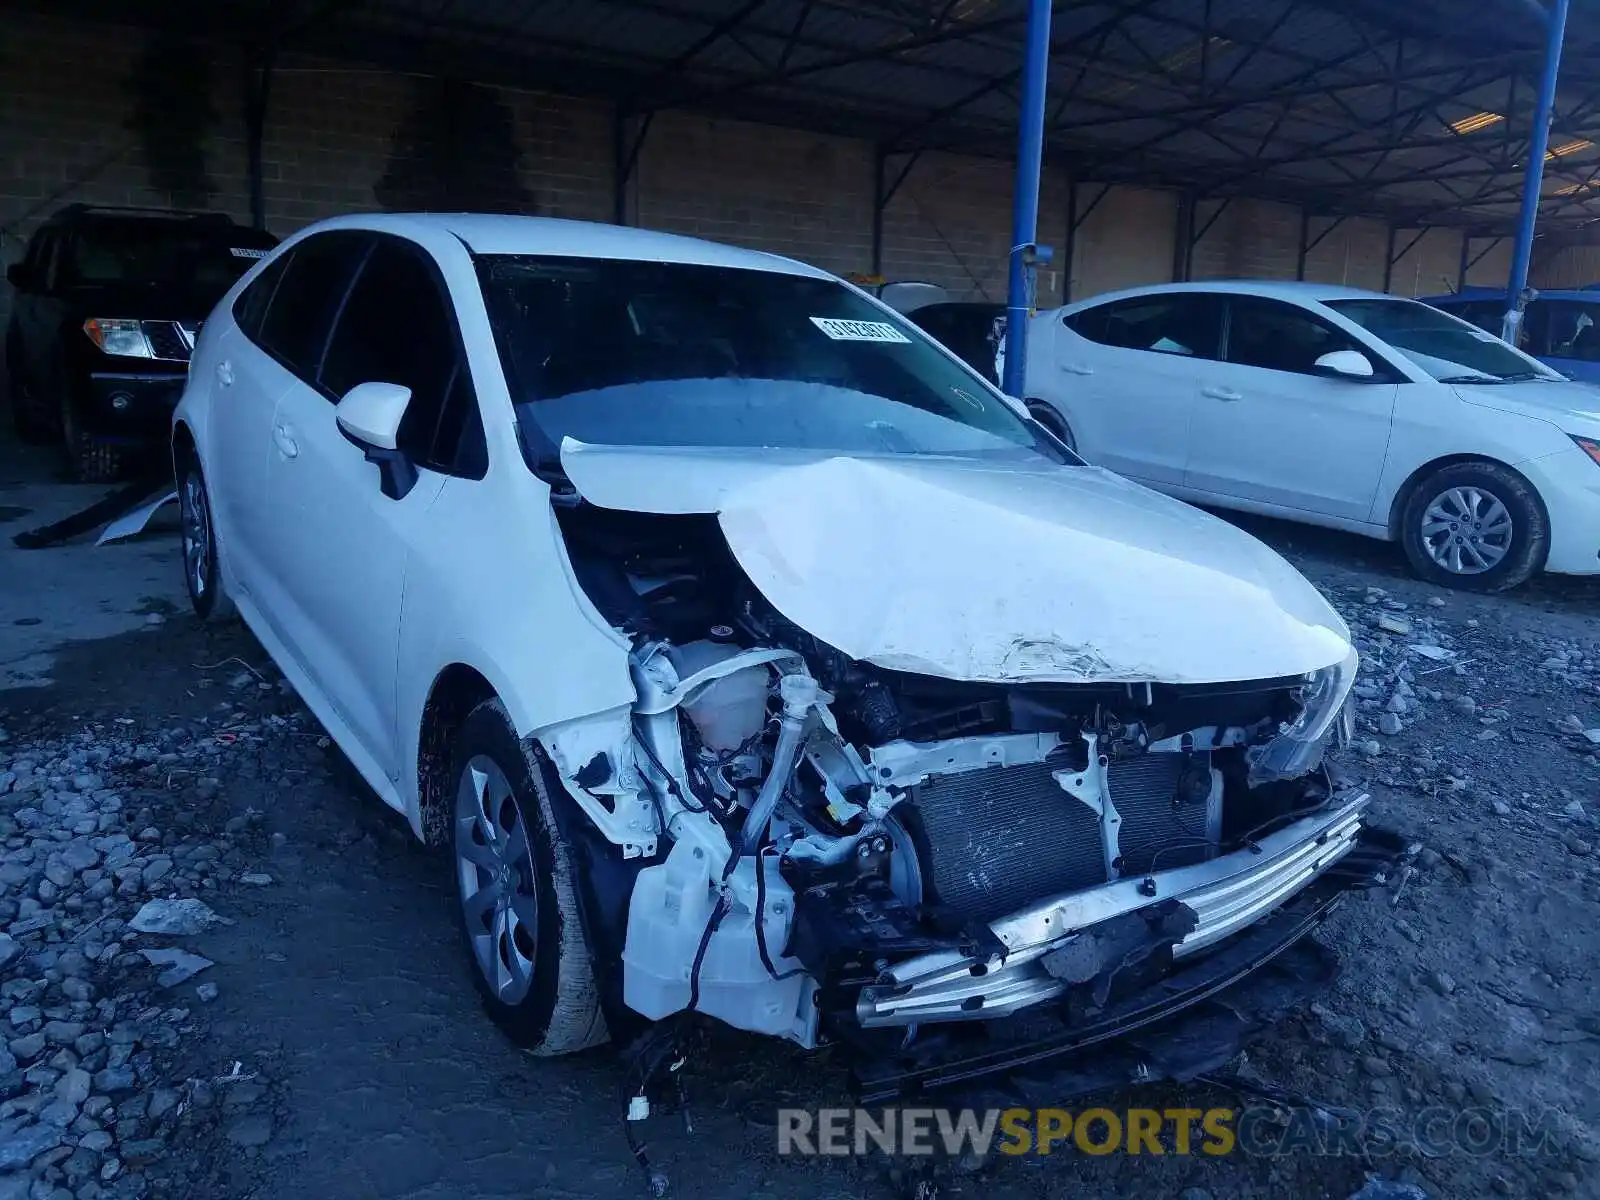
(495, 871)
(196, 533)
(1466, 530)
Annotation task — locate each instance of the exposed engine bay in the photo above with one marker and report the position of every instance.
(821, 846)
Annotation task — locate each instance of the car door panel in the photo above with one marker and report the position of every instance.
(339, 548)
(1268, 430)
(342, 547)
(1123, 373)
(245, 387)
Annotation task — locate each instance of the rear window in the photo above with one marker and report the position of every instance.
(200, 258)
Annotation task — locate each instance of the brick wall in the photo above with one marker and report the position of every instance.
(1126, 239)
(797, 194)
(1251, 239)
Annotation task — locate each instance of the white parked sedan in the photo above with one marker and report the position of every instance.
(749, 653)
(1339, 407)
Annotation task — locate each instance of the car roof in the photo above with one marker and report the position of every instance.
(484, 233)
(1278, 289)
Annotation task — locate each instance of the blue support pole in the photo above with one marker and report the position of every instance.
(1025, 201)
(1533, 181)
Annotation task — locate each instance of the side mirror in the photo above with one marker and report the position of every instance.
(17, 275)
(1345, 364)
(369, 417)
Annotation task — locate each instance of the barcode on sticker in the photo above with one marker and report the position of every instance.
(243, 252)
(841, 330)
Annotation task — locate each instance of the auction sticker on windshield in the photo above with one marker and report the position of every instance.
(841, 330)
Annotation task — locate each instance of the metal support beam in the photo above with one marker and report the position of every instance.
(883, 191)
(625, 150)
(1388, 260)
(1025, 198)
(1538, 145)
(1309, 243)
(257, 89)
(1183, 239)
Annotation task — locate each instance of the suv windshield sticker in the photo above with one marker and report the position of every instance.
(244, 252)
(859, 331)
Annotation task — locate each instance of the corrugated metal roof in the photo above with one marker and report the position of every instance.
(1346, 105)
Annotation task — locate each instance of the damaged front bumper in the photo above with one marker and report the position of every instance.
(1224, 895)
(1313, 863)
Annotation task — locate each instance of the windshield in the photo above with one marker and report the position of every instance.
(198, 258)
(621, 352)
(1446, 347)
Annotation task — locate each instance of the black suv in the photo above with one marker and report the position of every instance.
(106, 308)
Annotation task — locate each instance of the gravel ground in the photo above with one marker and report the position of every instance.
(329, 1043)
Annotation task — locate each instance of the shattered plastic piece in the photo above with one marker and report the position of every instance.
(180, 964)
(1436, 653)
(175, 917)
(135, 521)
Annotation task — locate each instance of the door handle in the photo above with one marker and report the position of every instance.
(1077, 368)
(284, 437)
(225, 373)
(1228, 395)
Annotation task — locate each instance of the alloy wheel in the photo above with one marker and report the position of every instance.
(1467, 530)
(196, 533)
(494, 867)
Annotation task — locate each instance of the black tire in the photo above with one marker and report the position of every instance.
(35, 422)
(202, 563)
(559, 1010)
(1054, 422)
(1485, 484)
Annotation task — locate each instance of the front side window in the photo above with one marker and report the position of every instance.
(1448, 349)
(1281, 337)
(1188, 324)
(672, 354)
(397, 327)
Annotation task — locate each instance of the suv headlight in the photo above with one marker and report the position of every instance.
(118, 337)
(1326, 709)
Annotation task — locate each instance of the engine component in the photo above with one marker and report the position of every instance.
(728, 711)
(799, 693)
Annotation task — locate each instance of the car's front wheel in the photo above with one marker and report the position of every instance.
(1475, 525)
(518, 908)
(202, 572)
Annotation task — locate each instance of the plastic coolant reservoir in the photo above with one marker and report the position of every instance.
(667, 917)
(729, 710)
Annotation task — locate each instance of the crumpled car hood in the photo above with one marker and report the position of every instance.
(984, 571)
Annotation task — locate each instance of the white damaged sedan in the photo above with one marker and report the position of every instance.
(749, 655)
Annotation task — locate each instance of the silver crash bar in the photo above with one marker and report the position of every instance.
(1227, 894)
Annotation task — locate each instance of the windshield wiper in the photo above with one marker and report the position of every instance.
(1472, 379)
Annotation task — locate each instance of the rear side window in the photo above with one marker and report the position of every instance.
(398, 326)
(294, 329)
(251, 304)
(1188, 324)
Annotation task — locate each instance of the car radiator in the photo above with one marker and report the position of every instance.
(997, 839)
